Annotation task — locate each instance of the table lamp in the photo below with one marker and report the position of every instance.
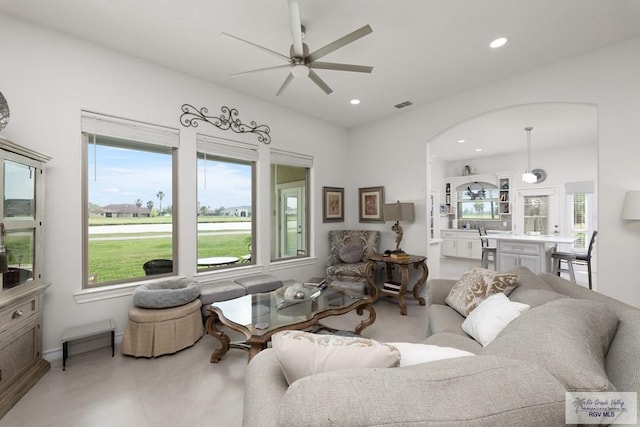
(398, 212)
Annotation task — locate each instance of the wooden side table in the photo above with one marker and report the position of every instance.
(418, 263)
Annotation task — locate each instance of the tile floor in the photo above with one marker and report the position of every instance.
(182, 389)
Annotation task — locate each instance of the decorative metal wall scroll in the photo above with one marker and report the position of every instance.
(227, 120)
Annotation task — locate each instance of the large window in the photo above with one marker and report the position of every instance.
(225, 209)
(128, 208)
(478, 201)
(290, 213)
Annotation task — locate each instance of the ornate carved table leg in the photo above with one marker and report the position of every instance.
(404, 273)
(254, 349)
(366, 322)
(370, 271)
(219, 335)
(421, 281)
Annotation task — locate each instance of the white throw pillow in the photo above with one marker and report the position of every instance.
(493, 314)
(302, 353)
(414, 354)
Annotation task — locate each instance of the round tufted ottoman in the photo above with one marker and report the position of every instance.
(162, 327)
(166, 293)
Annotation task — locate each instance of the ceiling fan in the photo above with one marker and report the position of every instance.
(300, 62)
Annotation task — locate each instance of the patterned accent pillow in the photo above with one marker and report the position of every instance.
(302, 353)
(475, 286)
(351, 254)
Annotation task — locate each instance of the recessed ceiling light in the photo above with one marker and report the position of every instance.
(461, 141)
(355, 101)
(478, 150)
(499, 42)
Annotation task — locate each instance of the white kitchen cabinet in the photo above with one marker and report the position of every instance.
(534, 256)
(461, 244)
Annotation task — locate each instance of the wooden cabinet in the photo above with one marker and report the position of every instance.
(461, 244)
(21, 260)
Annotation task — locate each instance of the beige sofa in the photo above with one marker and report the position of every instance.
(518, 379)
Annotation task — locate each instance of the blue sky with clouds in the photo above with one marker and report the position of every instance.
(118, 175)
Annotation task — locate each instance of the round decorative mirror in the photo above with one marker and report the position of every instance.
(540, 174)
(476, 191)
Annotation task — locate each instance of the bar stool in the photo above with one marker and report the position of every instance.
(487, 251)
(572, 258)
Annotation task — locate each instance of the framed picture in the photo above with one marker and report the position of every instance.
(371, 200)
(332, 204)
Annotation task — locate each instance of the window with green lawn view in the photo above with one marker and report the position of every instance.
(290, 213)
(129, 212)
(478, 203)
(225, 210)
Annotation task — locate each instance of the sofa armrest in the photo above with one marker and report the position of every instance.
(264, 387)
(477, 390)
(438, 290)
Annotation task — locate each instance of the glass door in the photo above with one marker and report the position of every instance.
(292, 222)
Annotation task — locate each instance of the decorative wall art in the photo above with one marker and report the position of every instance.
(228, 120)
(332, 204)
(371, 200)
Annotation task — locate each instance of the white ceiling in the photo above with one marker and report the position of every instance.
(502, 131)
(421, 50)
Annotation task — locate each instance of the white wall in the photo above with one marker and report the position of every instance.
(48, 78)
(607, 78)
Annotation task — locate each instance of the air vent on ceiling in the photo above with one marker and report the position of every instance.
(403, 104)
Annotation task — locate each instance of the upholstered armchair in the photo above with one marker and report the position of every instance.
(349, 252)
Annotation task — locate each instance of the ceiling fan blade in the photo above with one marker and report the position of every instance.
(259, 70)
(285, 84)
(273, 52)
(341, 42)
(317, 80)
(296, 28)
(341, 67)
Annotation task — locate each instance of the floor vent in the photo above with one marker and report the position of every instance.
(403, 104)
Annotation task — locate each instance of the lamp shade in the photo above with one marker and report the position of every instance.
(631, 208)
(398, 212)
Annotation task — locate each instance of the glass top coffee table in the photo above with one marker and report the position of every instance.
(259, 316)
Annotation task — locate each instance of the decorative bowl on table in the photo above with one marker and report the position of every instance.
(297, 292)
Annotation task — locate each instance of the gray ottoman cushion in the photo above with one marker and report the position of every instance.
(219, 291)
(166, 293)
(259, 283)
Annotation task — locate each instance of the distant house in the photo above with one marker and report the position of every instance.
(125, 210)
(241, 211)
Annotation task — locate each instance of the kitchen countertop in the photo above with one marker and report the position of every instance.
(533, 239)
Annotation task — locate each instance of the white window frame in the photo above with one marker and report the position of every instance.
(287, 158)
(233, 150)
(93, 124)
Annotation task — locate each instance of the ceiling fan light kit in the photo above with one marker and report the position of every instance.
(301, 62)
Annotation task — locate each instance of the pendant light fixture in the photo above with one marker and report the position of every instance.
(528, 176)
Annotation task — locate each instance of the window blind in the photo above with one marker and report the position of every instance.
(291, 159)
(226, 148)
(584, 187)
(115, 127)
